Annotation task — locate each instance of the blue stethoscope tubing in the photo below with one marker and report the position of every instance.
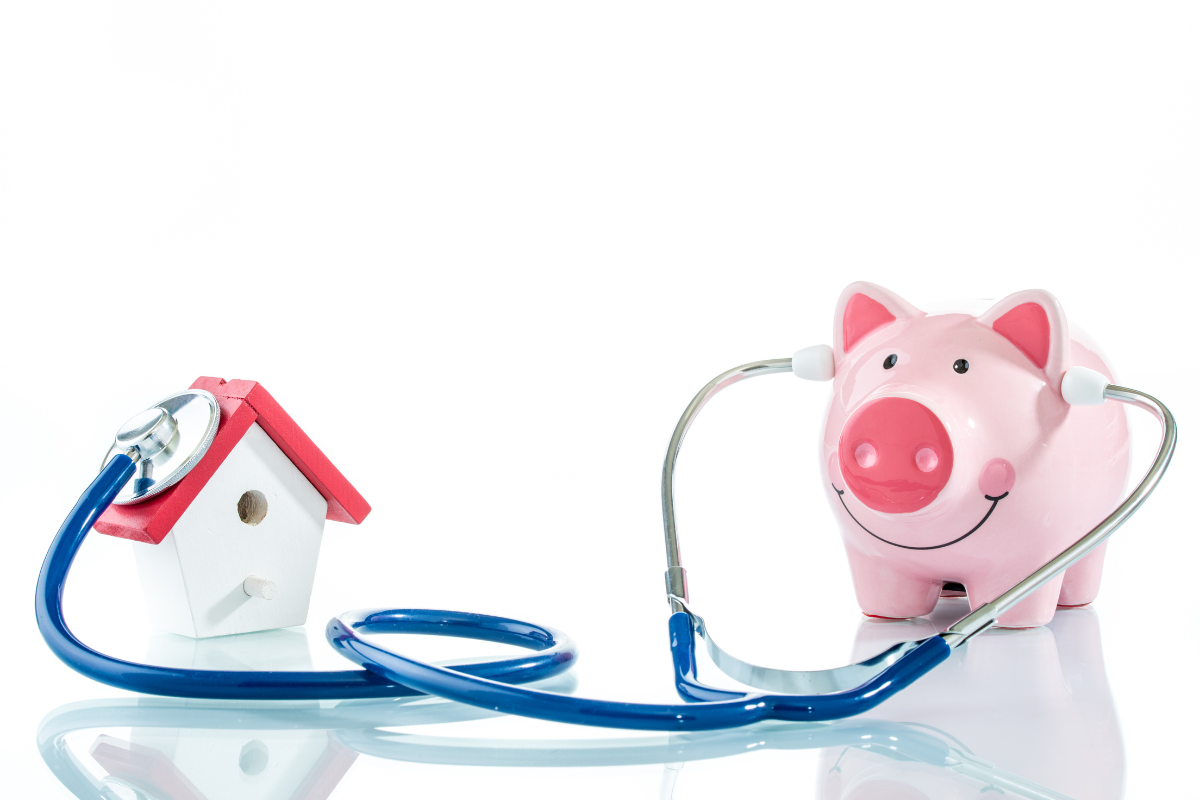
(555, 652)
(489, 685)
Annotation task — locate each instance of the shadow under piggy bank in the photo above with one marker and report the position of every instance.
(1033, 702)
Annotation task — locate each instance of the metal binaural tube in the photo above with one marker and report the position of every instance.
(982, 618)
(676, 576)
(974, 623)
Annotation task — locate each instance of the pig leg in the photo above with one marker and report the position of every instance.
(1081, 583)
(1036, 609)
(883, 592)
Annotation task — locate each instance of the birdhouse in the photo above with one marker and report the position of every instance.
(232, 547)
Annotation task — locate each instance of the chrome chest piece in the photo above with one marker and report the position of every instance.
(166, 440)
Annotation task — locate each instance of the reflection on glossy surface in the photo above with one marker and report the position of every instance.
(354, 726)
(278, 649)
(203, 750)
(178, 761)
(1014, 714)
(1034, 702)
(193, 765)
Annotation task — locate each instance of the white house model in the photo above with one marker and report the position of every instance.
(232, 547)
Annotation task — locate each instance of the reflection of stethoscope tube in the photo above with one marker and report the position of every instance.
(356, 725)
(890, 740)
(786, 695)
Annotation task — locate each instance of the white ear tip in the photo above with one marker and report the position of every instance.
(813, 363)
(1083, 387)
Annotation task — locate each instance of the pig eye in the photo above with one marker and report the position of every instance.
(961, 366)
(891, 360)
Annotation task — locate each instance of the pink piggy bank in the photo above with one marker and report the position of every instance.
(952, 458)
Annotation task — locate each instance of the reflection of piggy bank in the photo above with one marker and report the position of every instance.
(953, 459)
(1034, 705)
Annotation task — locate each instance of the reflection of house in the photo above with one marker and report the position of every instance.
(210, 764)
(1033, 702)
(220, 769)
(232, 547)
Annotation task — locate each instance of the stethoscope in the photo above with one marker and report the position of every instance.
(495, 685)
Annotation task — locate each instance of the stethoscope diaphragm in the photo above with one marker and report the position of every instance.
(169, 439)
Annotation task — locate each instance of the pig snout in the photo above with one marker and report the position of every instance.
(895, 455)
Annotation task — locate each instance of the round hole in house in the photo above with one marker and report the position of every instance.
(252, 507)
(254, 756)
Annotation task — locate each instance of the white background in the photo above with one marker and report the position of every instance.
(484, 254)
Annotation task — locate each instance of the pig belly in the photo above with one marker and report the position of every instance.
(892, 589)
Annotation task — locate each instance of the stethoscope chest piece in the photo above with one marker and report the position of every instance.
(166, 440)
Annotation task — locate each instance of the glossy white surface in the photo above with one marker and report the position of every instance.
(619, 202)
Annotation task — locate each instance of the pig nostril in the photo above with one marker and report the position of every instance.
(927, 459)
(865, 455)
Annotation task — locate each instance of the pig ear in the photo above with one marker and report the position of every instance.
(864, 308)
(1035, 323)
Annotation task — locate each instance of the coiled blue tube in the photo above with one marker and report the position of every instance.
(555, 652)
(719, 709)
(487, 685)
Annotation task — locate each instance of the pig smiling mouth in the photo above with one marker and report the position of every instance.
(995, 502)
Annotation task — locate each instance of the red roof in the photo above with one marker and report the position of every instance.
(242, 404)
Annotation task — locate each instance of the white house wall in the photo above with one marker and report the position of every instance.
(163, 586)
(193, 578)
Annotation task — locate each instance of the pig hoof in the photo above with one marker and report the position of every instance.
(1077, 605)
(887, 619)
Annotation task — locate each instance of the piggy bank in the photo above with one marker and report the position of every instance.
(952, 462)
